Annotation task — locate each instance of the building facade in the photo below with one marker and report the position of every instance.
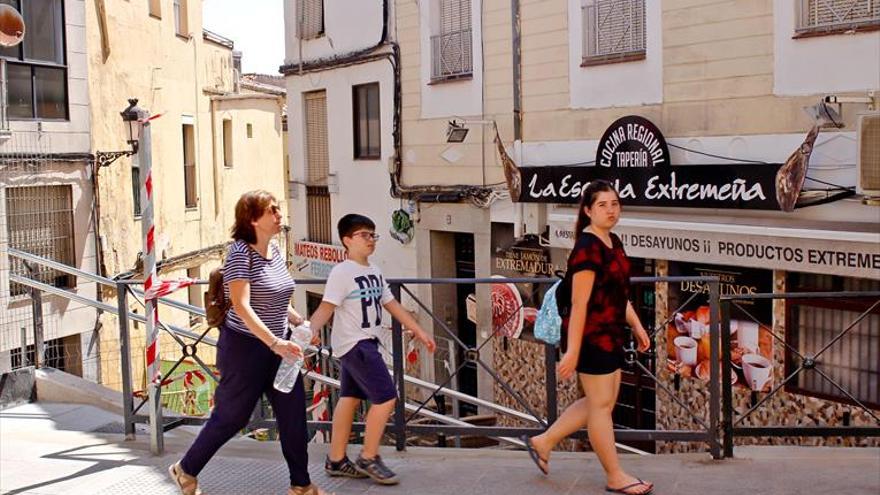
(213, 139)
(726, 86)
(47, 187)
(340, 69)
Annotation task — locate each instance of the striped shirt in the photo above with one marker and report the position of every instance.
(270, 283)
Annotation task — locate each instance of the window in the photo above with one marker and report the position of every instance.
(227, 142)
(452, 48)
(614, 31)
(250, 130)
(367, 135)
(310, 19)
(320, 226)
(156, 8)
(36, 70)
(853, 362)
(194, 295)
(835, 16)
(40, 222)
(189, 166)
(136, 188)
(181, 27)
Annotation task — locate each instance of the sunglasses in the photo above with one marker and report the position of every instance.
(367, 235)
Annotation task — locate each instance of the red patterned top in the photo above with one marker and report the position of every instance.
(606, 310)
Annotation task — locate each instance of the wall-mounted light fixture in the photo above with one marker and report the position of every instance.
(130, 117)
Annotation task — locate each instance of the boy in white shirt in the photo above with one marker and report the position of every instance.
(354, 295)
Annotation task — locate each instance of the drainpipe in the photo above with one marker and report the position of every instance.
(516, 27)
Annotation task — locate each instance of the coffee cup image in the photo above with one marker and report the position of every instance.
(758, 371)
(685, 350)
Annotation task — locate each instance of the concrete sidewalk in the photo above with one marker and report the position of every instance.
(63, 449)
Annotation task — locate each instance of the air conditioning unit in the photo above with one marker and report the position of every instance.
(868, 161)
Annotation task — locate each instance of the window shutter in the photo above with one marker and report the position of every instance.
(837, 13)
(310, 18)
(317, 151)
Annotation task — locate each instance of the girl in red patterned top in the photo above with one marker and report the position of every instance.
(593, 336)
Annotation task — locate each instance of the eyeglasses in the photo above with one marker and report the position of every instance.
(367, 235)
(273, 209)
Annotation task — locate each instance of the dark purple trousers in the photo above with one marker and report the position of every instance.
(247, 370)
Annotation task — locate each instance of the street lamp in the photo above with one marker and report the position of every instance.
(130, 116)
(455, 132)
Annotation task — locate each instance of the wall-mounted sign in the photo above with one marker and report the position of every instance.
(316, 260)
(633, 155)
(688, 242)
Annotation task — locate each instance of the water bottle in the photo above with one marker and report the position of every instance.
(289, 369)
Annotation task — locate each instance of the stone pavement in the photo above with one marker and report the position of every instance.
(67, 449)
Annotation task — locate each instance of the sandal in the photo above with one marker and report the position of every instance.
(306, 490)
(537, 459)
(188, 485)
(624, 489)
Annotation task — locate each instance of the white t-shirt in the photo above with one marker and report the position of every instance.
(358, 292)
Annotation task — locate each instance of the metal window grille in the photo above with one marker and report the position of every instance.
(136, 189)
(317, 167)
(319, 220)
(613, 29)
(854, 361)
(828, 15)
(452, 49)
(189, 166)
(310, 19)
(40, 222)
(367, 136)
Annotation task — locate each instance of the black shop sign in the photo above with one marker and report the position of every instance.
(633, 155)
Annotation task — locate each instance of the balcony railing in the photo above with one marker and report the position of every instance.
(452, 55)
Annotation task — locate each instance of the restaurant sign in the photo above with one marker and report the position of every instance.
(315, 260)
(633, 155)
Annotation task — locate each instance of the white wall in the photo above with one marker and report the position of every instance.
(821, 64)
(621, 84)
(363, 185)
(460, 97)
(348, 26)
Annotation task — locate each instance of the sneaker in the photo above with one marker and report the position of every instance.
(376, 469)
(343, 467)
(188, 485)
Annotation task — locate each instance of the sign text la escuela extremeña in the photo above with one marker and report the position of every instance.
(633, 156)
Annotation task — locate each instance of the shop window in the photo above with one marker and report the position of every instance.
(310, 19)
(40, 222)
(36, 71)
(836, 16)
(367, 138)
(614, 31)
(853, 362)
(452, 46)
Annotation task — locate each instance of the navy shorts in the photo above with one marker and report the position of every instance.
(364, 374)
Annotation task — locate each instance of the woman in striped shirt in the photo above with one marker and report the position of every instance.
(251, 346)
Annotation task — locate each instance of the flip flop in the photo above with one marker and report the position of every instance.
(537, 459)
(624, 489)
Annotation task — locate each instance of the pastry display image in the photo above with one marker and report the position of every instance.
(688, 346)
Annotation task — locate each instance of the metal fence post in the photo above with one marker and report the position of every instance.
(727, 393)
(714, 397)
(550, 383)
(397, 355)
(39, 345)
(125, 361)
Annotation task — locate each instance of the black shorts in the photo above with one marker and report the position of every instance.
(594, 360)
(364, 374)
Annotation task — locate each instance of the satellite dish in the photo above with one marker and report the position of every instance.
(11, 26)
